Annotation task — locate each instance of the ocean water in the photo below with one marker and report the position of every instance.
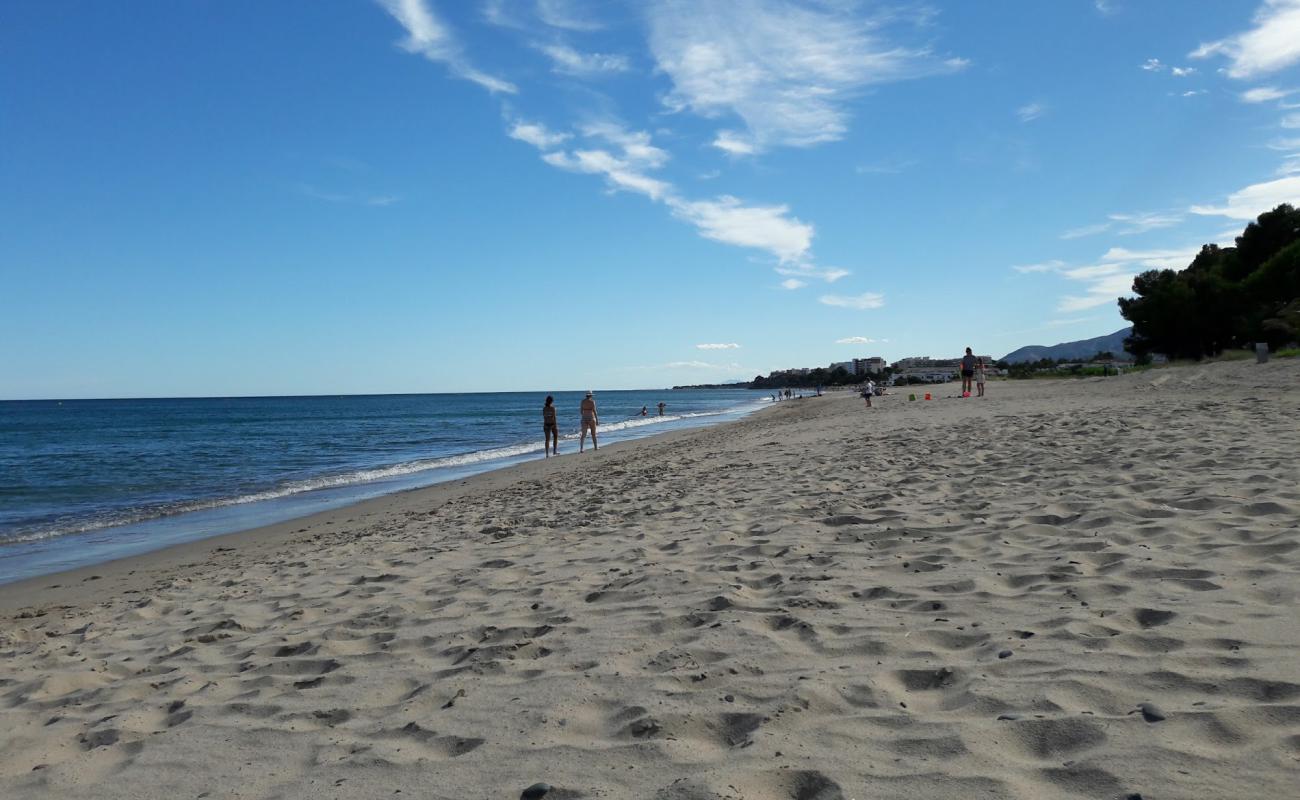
(85, 481)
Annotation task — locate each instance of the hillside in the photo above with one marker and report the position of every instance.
(1084, 348)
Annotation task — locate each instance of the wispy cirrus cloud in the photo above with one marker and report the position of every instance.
(430, 37)
(785, 70)
(793, 283)
(1144, 221)
(727, 219)
(828, 274)
(1271, 45)
(1030, 112)
(1086, 230)
(568, 61)
(1111, 276)
(861, 302)
(1046, 266)
(568, 14)
(1128, 224)
(718, 346)
(855, 340)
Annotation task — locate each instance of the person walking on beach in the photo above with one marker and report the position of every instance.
(589, 420)
(550, 433)
(967, 372)
(979, 377)
(868, 389)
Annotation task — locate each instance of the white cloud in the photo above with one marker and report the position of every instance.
(1182, 72)
(1112, 276)
(1285, 144)
(1086, 230)
(855, 340)
(568, 15)
(793, 283)
(861, 302)
(1030, 112)
(1264, 94)
(1273, 44)
(1102, 291)
(1095, 272)
(1253, 200)
(1105, 7)
(828, 274)
(1046, 266)
(1169, 258)
(537, 135)
(636, 145)
(1153, 65)
(619, 173)
(1290, 121)
(785, 70)
(726, 346)
(734, 143)
(429, 37)
(1144, 221)
(569, 61)
(770, 228)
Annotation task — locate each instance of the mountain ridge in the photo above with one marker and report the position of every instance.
(1080, 349)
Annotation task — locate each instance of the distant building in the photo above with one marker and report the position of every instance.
(847, 366)
(863, 366)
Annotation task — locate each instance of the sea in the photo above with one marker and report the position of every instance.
(87, 481)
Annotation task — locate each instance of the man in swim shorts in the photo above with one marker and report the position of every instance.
(967, 371)
(589, 420)
(550, 432)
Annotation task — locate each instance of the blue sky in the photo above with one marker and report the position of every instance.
(461, 195)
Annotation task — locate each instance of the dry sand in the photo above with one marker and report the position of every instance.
(1069, 589)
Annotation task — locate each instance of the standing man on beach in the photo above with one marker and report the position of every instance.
(589, 420)
(967, 372)
(661, 408)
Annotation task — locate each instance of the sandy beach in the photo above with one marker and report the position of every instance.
(1076, 588)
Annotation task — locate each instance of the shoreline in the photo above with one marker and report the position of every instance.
(232, 515)
(1075, 588)
(105, 579)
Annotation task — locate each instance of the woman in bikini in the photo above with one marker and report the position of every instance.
(550, 434)
(589, 421)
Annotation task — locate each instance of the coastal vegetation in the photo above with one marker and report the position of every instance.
(1228, 297)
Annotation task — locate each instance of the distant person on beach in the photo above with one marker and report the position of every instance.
(967, 371)
(661, 408)
(868, 389)
(980, 375)
(589, 420)
(644, 412)
(550, 432)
